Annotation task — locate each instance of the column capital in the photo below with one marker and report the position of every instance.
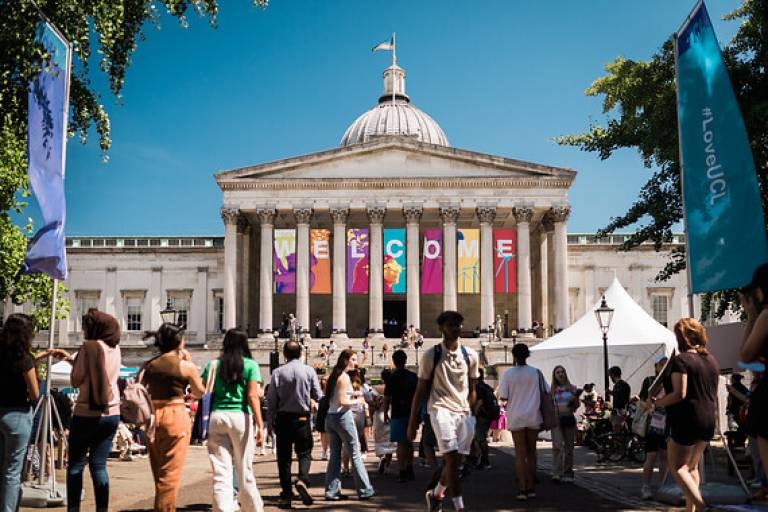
(449, 213)
(229, 215)
(547, 224)
(243, 225)
(339, 214)
(302, 214)
(412, 213)
(376, 214)
(559, 213)
(266, 215)
(486, 214)
(522, 213)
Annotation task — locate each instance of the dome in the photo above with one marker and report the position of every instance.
(394, 115)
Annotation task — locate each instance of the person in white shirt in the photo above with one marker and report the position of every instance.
(521, 390)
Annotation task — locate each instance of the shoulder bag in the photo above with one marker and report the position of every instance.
(203, 414)
(546, 406)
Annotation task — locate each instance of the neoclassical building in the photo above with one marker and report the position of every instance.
(384, 231)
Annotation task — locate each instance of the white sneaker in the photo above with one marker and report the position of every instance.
(646, 493)
(567, 480)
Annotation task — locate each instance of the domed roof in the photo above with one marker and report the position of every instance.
(394, 115)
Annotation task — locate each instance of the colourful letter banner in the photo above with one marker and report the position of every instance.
(285, 261)
(468, 256)
(394, 261)
(319, 261)
(357, 260)
(723, 213)
(432, 261)
(504, 261)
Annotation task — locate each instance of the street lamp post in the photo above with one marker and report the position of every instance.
(168, 315)
(604, 315)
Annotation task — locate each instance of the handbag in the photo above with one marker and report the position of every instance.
(203, 414)
(549, 418)
(640, 421)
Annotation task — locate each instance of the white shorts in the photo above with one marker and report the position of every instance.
(454, 431)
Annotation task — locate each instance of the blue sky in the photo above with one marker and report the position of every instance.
(500, 77)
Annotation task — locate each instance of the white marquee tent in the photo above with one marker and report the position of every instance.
(635, 339)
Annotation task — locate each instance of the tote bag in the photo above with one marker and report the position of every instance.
(203, 414)
(549, 418)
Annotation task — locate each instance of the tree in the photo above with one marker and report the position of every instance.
(117, 28)
(640, 107)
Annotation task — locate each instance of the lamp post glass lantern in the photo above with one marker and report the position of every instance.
(168, 315)
(604, 315)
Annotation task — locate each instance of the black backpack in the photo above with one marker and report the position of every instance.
(490, 409)
(439, 352)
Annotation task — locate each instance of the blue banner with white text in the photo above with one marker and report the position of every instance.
(46, 151)
(724, 217)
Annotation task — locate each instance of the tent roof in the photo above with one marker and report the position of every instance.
(631, 325)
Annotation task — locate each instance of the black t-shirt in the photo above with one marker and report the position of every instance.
(695, 415)
(400, 389)
(620, 395)
(645, 388)
(12, 381)
(485, 393)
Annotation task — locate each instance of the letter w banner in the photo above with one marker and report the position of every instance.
(285, 261)
(394, 260)
(504, 260)
(48, 106)
(319, 262)
(723, 213)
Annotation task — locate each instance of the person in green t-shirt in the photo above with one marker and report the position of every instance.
(234, 422)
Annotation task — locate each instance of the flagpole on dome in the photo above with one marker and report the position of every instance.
(394, 63)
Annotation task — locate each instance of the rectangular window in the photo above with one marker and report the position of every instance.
(660, 305)
(218, 310)
(133, 310)
(86, 302)
(180, 302)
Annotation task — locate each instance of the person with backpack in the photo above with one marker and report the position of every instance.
(447, 376)
(566, 399)
(166, 377)
(487, 410)
(398, 392)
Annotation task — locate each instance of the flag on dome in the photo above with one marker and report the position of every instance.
(385, 45)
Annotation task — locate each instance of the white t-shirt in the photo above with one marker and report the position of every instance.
(520, 387)
(450, 387)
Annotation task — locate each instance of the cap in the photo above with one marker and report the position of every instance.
(759, 278)
(659, 358)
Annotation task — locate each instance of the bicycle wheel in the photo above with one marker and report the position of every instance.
(616, 448)
(637, 449)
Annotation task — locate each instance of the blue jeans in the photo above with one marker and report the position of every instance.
(90, 440)
(340, 428)
(15, 429)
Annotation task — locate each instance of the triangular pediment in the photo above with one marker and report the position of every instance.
(394, 157)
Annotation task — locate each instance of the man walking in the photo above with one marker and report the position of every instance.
(291, 388)
(447, 376)
(398, 392)
(620, 395)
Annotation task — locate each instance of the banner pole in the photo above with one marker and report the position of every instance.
(46, 407)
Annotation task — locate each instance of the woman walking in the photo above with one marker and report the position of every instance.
(521, 390)
(691, 391)
(566, 399)
(166, 377)
(341, 430)
(20, 389)
(234, 422)
(97, 412)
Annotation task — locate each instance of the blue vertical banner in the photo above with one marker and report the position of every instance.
(46, 150)
(723, 213)
(394, 260)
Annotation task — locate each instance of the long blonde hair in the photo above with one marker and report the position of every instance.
(554, 379)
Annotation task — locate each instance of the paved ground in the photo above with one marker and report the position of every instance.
(604, 488)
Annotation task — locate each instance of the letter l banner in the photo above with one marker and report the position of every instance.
(723, 213)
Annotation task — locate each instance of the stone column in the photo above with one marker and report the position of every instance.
(486, 216)
(230, 216)
(267, 220)
(543, 298)
(303, 215)
(243, 277)
(201, 299)
(111, 298)
(412, 216)
(376, 270)
(523, 217)
(339, 215)
(449, 214)
(560, 241)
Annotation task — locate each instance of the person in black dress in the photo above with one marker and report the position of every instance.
(690, 388)
(754, 299)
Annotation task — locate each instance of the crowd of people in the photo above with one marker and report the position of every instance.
(447, 406)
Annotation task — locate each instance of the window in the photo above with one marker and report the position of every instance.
(133, 311)
(85, 301)
(218, 311)
(660, 306)
(180, 301)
